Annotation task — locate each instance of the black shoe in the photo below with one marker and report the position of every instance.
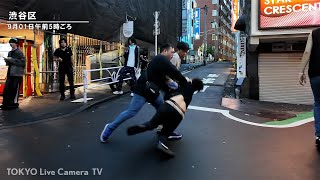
(62, 97)
(9, 107)
(136, 129)
(4, 107)
(163, 148)
(175, 136)
(318, 141)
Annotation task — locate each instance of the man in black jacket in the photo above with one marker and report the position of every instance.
(16, 62)
(63, 55)
(159, 69)
(131, 57)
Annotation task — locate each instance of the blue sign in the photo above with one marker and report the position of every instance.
(197, 23)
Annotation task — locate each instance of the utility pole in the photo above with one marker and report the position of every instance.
(156, 30)
(205, 8)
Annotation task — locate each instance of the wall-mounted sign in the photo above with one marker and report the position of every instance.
(197, 23)
(128, 29)
(289, 13)
(242, 57)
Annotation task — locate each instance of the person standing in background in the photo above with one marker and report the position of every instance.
(182, 52)
(16, 63)
(131, 57)
(64, 56)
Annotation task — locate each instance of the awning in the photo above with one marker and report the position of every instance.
(241, 23)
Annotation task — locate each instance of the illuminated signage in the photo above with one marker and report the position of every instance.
(235, 13)
(289, 13)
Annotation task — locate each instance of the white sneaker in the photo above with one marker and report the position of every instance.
(132, 94)
(117, 92)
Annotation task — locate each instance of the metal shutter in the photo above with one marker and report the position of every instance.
(278, 79)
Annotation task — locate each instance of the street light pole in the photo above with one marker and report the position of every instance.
(205, 8)
(156, 30)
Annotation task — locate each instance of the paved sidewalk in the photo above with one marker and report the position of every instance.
(268, 110)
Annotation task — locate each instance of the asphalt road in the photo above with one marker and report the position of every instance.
(213, 146)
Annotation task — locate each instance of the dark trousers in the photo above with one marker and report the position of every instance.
(123, 74)
(315, 85)
(11, 91)
(169, 117)
(62, 76)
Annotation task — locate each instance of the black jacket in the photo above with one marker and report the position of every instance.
(136, 59)
(158, 69)
(314, 63)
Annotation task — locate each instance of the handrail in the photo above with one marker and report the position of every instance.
(112, 76)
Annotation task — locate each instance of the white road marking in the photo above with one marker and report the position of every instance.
(208, 80)
(227, 114)
(185, 72)
(213, 75)
(81, 100)
(204, 88)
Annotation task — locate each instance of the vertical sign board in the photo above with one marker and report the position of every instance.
(184, 18)
(197, 23)
(242, 55)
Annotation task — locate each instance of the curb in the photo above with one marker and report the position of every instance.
(74, 112)
(300, 117)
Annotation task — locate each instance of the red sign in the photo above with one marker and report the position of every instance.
(289, 13)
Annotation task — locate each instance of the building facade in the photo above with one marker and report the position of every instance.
(188, 19)
(275, 45)
(220, 38)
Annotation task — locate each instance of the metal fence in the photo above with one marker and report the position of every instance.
(111, 77)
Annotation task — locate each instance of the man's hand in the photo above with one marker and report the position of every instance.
(189, 80)
(7, 60)
(58, 59)
(302, 79)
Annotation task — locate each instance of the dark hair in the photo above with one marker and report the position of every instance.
(183, 46)
(62, 39)
(144, 52)
(165, 47)
(197, 84)
(132, 39)
(13, 40)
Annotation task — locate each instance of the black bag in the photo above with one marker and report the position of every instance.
(152, 91)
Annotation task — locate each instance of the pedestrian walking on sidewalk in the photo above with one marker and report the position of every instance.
(16, 63)
(63, 55)
(131, 56)
(170, 115)
(183, 49)
(312, 56)
(151, 80)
